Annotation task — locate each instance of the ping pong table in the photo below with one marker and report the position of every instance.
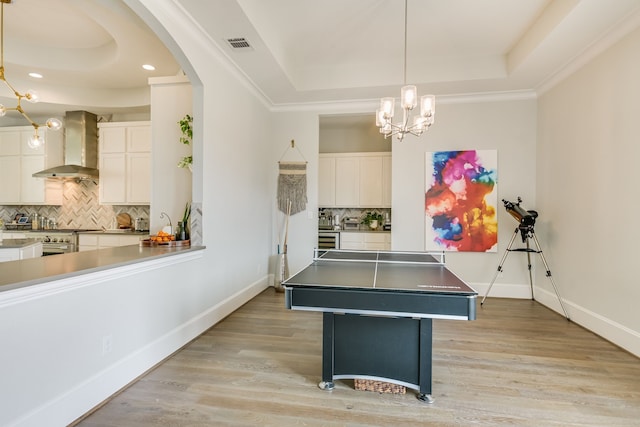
(378, 308)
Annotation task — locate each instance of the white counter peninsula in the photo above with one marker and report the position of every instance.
(17, 249)
(85, 324)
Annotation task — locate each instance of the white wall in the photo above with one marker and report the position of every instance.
(53, 377)
(588, 154)
(171, 99)
(229, 163)
(338, 136)
(507, 126)
(303, 227)
(53, 363)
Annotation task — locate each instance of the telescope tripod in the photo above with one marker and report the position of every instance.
(527, 233)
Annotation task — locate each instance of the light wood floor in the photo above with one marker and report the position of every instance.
(518, 364)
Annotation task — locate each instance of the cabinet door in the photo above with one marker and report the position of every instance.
(347, 181)
(138, 139)
(113, 178)
(327, 182)
(10, 143)
(377, 241)
(351, 240)
(113, 139)
(12, 254)
(386, 181)
(370, 182)
(139, 178)
(10, 178)
(32, 189)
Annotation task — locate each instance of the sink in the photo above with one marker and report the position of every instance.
(119, 230)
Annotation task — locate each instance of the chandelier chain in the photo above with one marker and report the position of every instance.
(404, 78)
(408, 100)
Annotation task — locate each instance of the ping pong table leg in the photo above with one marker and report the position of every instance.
(327, 351)
(426, 360)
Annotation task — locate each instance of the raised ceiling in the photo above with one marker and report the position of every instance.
(303, 51)
(90, 53)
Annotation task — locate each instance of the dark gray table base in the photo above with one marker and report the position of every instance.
(393, 349)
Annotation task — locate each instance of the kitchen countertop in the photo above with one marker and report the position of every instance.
(123, 233)
(34, 271)
(57, 230)
(17, 243)
(355, 230)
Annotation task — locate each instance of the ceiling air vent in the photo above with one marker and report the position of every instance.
(239, 43)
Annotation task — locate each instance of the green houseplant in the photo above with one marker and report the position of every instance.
(372, 219)
(186, 128)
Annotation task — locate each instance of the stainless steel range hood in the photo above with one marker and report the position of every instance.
(80, 148)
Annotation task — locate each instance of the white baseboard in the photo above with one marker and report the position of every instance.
(606, 328)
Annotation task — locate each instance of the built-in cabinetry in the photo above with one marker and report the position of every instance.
(125, 163)
(13, 235)
(14, 250)
(354, 180)
(89, 241)
(18, 162)
(365, 241)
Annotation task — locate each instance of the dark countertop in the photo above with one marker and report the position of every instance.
(17, 243)
(33, 271)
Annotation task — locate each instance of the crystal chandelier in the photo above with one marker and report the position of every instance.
(35, 140)
(415, 125)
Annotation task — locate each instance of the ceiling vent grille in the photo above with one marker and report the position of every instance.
(239, 43)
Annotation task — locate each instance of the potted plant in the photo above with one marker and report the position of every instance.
(186, 129)
(372, 219)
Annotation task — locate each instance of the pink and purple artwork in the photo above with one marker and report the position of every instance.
(460, 201)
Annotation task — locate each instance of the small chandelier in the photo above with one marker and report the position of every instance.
(35, 140)
(408, 100)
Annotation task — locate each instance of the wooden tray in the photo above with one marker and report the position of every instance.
(173, 243)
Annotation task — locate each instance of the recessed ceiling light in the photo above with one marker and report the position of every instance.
(35, 75)
(148, 67)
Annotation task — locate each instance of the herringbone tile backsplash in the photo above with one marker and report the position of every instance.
(80, 209)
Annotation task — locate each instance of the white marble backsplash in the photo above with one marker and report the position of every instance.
(80, 209)
(353, 212)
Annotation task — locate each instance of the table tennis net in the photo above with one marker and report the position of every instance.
(391, 257)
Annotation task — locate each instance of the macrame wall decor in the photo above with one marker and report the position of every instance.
(292, 184)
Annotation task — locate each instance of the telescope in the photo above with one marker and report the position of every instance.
(525, 218)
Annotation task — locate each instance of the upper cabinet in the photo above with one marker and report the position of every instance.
(125, 163)
(18, 162)
(354, 180)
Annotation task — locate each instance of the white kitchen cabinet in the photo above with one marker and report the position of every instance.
(377, 241)
(13, 235)
(370, 188)
(347, 181)
(89, 241)
(365, 241)
(351, 240)
(32, 250)
(326, 181)
(354, 180)
(125, 163)
(18, 163)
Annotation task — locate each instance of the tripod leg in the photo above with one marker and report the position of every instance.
(548, 272)
(529, 267)
(504, 257)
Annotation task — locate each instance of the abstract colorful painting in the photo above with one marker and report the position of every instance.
(460, 201)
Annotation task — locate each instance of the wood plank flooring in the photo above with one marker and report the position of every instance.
(518, 364)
